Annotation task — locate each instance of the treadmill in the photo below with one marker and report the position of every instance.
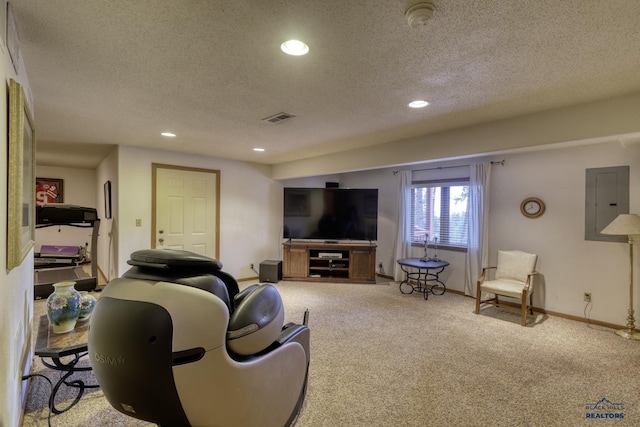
(61, 263)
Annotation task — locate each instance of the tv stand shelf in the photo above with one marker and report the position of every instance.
(330, 262)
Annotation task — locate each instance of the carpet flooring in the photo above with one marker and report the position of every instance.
(382, 358)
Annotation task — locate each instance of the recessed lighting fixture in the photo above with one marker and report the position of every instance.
(258, 149)
(168, 134)
(418, 103)
(294, 47)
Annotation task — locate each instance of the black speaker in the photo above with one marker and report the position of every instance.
(270, 271)
(332, 184)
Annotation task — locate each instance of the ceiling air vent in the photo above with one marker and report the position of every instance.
(279, 118)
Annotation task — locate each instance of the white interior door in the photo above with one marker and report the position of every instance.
(186, 203)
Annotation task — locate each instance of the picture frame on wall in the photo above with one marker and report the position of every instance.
(49, 190)
(21, 179)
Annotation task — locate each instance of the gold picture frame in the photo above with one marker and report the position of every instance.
(21, 179)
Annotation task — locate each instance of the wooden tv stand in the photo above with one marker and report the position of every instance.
(330, 262)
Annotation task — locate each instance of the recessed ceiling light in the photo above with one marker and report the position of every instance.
(294, 47)
(418, 103)
(258, 149)
(168, 134)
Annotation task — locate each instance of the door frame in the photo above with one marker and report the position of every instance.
(154, 171)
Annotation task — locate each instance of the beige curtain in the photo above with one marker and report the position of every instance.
(403, 240)
(478, 233)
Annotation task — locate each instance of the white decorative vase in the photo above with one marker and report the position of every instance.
(87, 303)
(63, 307)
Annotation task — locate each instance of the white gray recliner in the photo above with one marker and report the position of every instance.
(175, 343)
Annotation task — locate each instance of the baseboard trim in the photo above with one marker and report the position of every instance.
(554, 313)
(564, 315)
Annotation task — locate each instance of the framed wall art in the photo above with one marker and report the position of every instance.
(49, 190)
(21, 179)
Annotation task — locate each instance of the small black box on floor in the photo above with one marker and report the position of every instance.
(270, 271)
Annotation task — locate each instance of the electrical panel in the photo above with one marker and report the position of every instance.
(607, 196)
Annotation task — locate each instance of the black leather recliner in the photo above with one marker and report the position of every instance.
(175, 343)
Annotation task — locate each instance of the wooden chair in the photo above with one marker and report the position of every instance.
(513, 278)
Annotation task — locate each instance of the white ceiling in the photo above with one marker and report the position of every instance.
(121, 71)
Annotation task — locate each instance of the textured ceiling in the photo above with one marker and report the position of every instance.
(121, 71)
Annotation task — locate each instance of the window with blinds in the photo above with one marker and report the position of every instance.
(439, 211)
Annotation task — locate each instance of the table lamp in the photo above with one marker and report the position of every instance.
(627, 225)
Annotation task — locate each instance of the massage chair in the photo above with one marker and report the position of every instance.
(174, 342)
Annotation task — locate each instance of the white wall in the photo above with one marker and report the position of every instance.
(107, 171)
(79, 188)
(569, 264)
(16, 286)
(250, 207)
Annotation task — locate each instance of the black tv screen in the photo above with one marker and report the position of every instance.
(330, 213)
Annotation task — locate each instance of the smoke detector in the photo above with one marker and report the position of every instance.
(419, 13)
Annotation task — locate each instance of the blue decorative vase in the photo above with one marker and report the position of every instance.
(63, 307)
(87, 303)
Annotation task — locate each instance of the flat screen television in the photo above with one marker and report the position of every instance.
(330, 213)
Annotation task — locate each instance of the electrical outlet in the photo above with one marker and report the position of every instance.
(252, 266)
(587, 296)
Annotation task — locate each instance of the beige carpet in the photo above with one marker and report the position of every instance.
(381, 358)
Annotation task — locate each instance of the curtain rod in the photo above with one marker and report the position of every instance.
(501, 162)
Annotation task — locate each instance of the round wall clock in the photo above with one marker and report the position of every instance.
(532, 207)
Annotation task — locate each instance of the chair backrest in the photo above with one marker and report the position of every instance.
(186, 268)
(515, 265)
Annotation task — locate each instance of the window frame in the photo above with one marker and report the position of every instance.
(451, 182)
